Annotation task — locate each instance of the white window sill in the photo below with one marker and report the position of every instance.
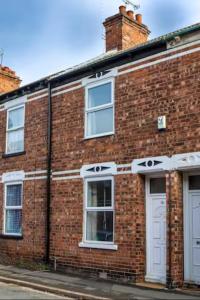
(98, 135)
(14, 233)
(11, 236)
(98, 246)
(10, 154)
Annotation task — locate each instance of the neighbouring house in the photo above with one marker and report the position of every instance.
(8, 80)
(100, 164)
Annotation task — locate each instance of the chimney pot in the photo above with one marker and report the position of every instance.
(130, 13)
(139, 18)
(122, 9)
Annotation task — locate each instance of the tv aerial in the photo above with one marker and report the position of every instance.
(1, 56)
(131, 3)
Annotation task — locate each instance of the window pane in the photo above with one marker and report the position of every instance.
(15, 141)
(99, 95)
(13, 221)
(100, 193)
(16, 118)
(100, 226)
(100, 121)
(158, 185)
(194, 182)
(14, 195)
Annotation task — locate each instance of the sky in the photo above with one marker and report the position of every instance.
(41, 37)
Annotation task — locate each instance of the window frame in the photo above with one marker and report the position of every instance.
(11, 207)
(100, 107)
(165, 186)
(96, 209)
(15, 128)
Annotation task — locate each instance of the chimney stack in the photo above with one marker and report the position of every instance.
(8, 80)
(124, 31)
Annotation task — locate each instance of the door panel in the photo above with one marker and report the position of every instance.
(156, 230)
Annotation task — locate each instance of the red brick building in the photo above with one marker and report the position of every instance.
(100, 164)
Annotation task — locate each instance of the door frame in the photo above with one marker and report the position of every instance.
(186, 222)
(148, 228)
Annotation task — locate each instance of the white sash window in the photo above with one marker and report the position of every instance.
(99, 213)
(99, 210)
(99, 113)
(15, 130)
(13, 209)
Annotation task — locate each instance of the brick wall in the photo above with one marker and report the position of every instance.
(170, 89)
(67, 231)
(175, 228)
(32, 246)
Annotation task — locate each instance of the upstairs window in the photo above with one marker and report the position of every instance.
(15, 130)
(99, 110)
(13, 209)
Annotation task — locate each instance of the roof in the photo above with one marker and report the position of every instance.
(114, 53)
(107, 58)
(96, 59)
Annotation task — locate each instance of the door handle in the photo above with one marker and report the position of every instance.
(198, 243)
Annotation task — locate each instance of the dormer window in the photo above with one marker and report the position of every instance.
(99, 113)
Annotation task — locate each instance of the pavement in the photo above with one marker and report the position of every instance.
(11, 291)
(74, 287)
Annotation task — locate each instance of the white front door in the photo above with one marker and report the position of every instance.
(194, 203)
(156, 230)
(192, 228)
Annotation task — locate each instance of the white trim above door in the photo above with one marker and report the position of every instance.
(150, 165)
(155, 232)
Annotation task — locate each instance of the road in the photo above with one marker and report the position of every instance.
(11, 291)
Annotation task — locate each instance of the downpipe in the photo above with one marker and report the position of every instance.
(49, 158)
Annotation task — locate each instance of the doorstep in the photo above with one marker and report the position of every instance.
(151, 285)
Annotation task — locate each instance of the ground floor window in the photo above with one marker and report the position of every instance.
(13, 209)
(99, 210)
